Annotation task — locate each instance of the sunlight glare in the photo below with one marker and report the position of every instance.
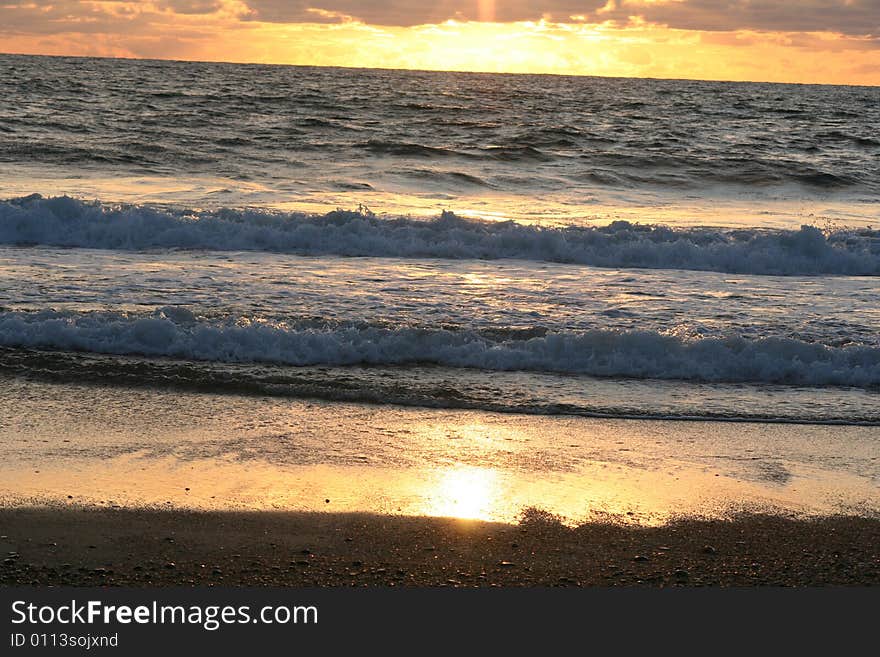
(464, 492)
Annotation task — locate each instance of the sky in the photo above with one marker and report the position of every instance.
(809, 41)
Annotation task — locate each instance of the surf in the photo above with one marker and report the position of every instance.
(808, 251)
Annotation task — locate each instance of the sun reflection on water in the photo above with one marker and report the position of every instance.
(464, 492)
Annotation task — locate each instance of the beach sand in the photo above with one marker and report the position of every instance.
(144, 548)
(105, 446)
(114, 486)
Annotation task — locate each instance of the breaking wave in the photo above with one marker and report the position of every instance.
(64, 221)
(176, 332)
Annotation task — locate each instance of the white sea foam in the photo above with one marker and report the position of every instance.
(63, 221)
(635, 354)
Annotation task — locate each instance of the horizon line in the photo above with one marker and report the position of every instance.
(427, 70)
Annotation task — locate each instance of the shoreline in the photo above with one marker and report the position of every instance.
(91, 445)
(87, 546)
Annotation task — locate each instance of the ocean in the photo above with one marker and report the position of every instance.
(539, 244)
(416, 272)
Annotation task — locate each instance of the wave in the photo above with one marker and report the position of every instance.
(644, 165)
(176, 332)
(63, 221)
(518, 153)
(455, 178)
(405, 149)
(440, 387)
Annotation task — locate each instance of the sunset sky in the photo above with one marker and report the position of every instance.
(828, 41)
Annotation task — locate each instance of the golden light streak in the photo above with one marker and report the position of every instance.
(486, 10)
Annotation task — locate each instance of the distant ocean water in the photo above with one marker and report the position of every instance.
(519, 243)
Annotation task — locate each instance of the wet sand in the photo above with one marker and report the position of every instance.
(146, 548)
(102, 485)
(93, 445)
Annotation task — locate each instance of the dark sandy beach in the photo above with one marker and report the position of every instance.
(118, 547)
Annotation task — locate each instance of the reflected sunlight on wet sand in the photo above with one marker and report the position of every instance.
(138, 448)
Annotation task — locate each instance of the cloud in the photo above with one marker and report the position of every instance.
(807, 40)
(227, 31)
(190, 6)
(849, 17)
(405, 13)
(116, 16)
(852, 17)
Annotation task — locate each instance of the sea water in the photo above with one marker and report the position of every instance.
(539, 244)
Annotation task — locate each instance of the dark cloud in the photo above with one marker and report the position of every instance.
(45, 17)
(108, 16)
(854, 17)
(190, 6)
(850, 17)
(407, 13)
